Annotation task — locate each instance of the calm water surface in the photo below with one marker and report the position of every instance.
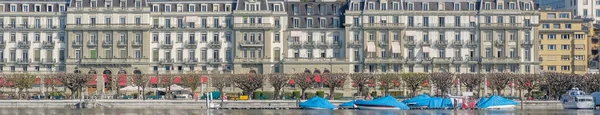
(116, 111)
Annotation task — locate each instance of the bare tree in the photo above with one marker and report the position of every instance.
(141, 81)
(248, 82)
(388, 81)
(414, 81)
(559, 83)
(362, 79)
(442, 80)
(278, 81)
(166, 81)
(21, 82)
(528, 82)
(50, 82)
(73, 82)
(499, 81)
(470, 80)
(220, 81)
(305, 81)
(192, 81)
(333, 80)
(591, 83)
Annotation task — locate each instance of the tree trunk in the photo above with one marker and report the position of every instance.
(360, 90)
(303, 95)
(220, 92)
(386, 91)
(250, 94)
(276, 93)
(499, 91)
(331, 93)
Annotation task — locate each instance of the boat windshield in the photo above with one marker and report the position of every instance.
(582, 100)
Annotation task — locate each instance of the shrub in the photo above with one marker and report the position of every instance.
(338, 95)
(310, 95)
(268, 95)
(297, 94)
(256, 94)
(374, 94)
(321, 94)
(287, 94)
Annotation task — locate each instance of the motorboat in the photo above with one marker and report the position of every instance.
(496, 102)
(348, 105)
(387, 102)
(577, 99)
(317, 103)
(420, 101)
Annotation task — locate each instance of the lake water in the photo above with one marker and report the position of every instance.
(113, 111)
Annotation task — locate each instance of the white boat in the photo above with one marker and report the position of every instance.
(577, 99)
(317, 108)
(503, 107)
(377, 107)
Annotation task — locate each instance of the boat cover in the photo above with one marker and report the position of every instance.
(317, 102)
(349, 104)
(437, 102)
(495, 101)
(384, 101)
(421, 100)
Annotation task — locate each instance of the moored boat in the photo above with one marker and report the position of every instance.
(317, 103)
(577, 99)
(387, 102)
(348, 105)
(496, 102)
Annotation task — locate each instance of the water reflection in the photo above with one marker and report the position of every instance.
(156, 111)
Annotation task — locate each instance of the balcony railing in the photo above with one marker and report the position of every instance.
(309, 44)
(472, 43)
(76, 43)
(136, 43)
(383, 26)
(295, 45)
(2, 44)
(191, 44)
(107, 43)
(48, 44)
(215, 44)
(355, 44)
(23, 44)
(441, 43)
(410, 43)
(457, 43)
(253, 26)
(501, 25)
(111, 61)
(499, 43)
(122, 43)
(527, 43)
(314, 60)
(166, 45)
(383, 44)
(384, 60)
(251, 43)
(91, 43)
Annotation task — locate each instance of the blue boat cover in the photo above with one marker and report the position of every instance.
(421, 100)
(349, 104)
(447, 103)
(496, 101)
(384, 101)
(481, 100)
(317, 102)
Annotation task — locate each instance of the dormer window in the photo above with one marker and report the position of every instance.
(37, 8)
(488, 6)
(471, 6)
(309, 10)
(456, 6)
(322, 9)
(49, 8)
(78, 4)
(425, 6)
(252, 7)
(108, 4)
(25, 8)
(500, 6)
(138, 4)
(93, 3)
(167, 8)
(228, 7)
(123, 4)
(411, 7)
(383, 6)
(191, 8)
(13, 8)
(396, 6)
(371, 5)
(295, 8)
(179, 8)
(527, 6)
(61, 7)
(441, 6)
(215, 7)
(276, 8)
(155, 8)
(512, 6)
(355, 7)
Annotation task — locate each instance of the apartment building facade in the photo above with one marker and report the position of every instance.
(564, 42)
(579, 8)
(32, 36)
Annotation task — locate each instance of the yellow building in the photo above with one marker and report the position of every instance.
(564, 42)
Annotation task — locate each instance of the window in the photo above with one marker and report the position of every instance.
(551, 16)
(456, 6)
(565, 47)
(565, 15)
(579, 57)
(551, 36)
(396, 6)
(579, 36)
(565, 68)
(425, 6)
(167, 8)
(511, 6)
(546, 26)
(597, 12)
(565, 36)
(551, 47)
(568, 26)
(25, 8)
(411, 7)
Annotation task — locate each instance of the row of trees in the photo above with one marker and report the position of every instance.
(556, 83)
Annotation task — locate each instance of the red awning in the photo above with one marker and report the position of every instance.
(1, 81)
(37, 81)
(177, 80)
(92, 80)
(122, 80)
(318, 78)
(204, 79)
(153, 80)
(106, 79)
(292, 82)
(426, 83)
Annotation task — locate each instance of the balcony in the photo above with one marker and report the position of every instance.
(426, 60)
(457, 43)
(383, 44)
(215, 44)
(410, 43)
(309, 45)
(107, 44)
(501, 25)
(48, 44)
(23, 44)
(22, 27)
(441, 26)
(108, 27)
(441, 43)
(191, 61)
(501, 60)
(191, 44)
(251, 44)
(122, 43)
(384, 60)
(335, 44)
(250, 60)
(412, 60)
(527, 43)
(76, 43)
(472, 43)
(91, 43)
(322, 44)
(499, 43)
(458, 60)
(442, 60)
(313, 60)
(48, 61)
(23, 61)
(166, 61)
(215, 61)
(136, 43)
(107, 61)
(354, 44)
(262, 26)
(166, 45)
(425, 43)
(295, 45)
(383, 26)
